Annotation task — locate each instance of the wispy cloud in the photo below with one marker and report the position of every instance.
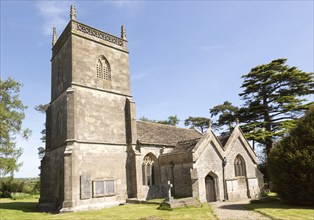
(54, 14)
(139, 76)
(124, 4)
(129, 7)
(211, 48)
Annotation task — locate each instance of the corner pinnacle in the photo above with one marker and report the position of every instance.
(54, 36)
(123, 33)
(73, 12)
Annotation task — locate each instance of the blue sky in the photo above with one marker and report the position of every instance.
(185, 56)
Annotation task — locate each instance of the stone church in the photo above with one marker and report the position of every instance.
(98, 155)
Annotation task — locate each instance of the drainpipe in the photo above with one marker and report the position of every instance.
(224, 163)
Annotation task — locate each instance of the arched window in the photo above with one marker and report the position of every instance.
(239, 166)
(148, 170)
(103, 69)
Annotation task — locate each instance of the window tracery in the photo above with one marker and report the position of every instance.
(103, 69)
(148, 171)
(239, 166)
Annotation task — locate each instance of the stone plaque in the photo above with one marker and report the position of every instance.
(85, 187)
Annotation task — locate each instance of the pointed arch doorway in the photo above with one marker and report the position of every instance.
(210, 187)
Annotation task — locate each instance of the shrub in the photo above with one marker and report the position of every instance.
(291, 163)
(18, 196)
(31, 186)
(10, 185)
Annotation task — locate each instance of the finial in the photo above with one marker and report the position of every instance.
(237, 121)
(123, 33)
(54, 36)
(72, 12)
(209, 124)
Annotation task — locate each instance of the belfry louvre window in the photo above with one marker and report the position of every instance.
(239, 166)
(103, 69)
(103, 188)
(148, 171)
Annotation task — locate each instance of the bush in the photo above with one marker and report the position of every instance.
(17, 196)
(9, 185)
(31, 187)
(291, 163)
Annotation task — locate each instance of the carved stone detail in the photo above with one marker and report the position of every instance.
(73, 12)
(54, 36)
(101, 35)
(123, 33)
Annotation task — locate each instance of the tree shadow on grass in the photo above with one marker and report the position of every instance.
(234, 207)
(22, 206)
(276, 205)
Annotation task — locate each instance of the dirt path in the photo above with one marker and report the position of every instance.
(235, 211)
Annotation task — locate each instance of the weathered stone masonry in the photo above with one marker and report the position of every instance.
(97, 155)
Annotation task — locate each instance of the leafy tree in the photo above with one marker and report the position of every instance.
(291, 163)
(146, 119)
(201, 123)
(227, 114)
(274, 98)
(11, 117)
(172, 120)
(41, 150)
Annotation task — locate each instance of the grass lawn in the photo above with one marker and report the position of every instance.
(27, 209)
(275, 209)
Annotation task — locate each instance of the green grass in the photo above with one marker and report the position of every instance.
(27, 209)
(272, 207)
(19, 196)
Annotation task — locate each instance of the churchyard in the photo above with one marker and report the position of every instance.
(27, 209)
(271, 207)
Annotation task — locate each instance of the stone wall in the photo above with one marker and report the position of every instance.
(159, 190)
(239, 187)
(175, 168)
(85, 54)
(99, 116)
(182, 184)
(209, 163)
(86, 122)
(61, 70)
(90, 163)
(52, 180)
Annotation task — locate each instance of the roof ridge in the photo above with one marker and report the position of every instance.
(165, 125)
(187, 140)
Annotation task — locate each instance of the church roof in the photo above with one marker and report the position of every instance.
(160, 134)
(223, 138)
(186, 145)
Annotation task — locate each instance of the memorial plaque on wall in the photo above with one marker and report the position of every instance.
(99, 188)
(85, 187)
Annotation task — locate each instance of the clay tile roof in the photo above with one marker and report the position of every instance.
(186, 145)
(160, 134)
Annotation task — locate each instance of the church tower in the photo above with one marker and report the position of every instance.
(90, 122)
